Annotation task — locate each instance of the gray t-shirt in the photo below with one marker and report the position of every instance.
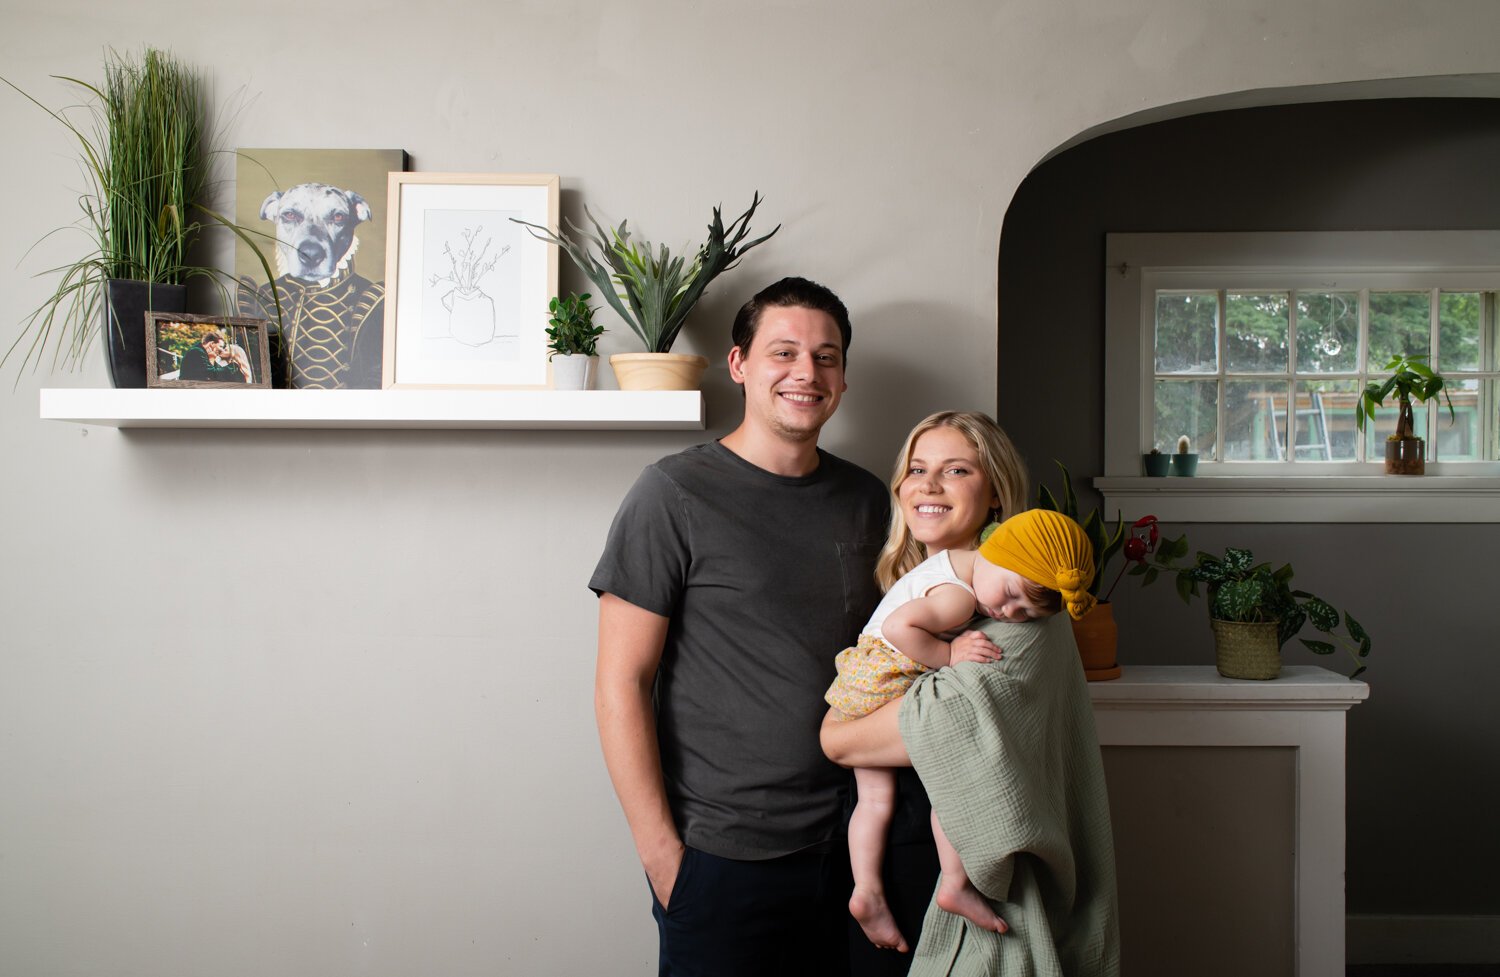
(765, 578)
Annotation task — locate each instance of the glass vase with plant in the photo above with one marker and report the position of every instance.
(1410, 378)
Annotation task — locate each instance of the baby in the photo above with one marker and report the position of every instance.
(1031, 566)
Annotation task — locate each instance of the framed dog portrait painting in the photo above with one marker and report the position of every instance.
(468, 287)
(207, 351)
(321, 219)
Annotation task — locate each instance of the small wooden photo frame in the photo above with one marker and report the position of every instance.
(225, 352)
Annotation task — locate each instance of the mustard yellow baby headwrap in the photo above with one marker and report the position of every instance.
(1049, 549)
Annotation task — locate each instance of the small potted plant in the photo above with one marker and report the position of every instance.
(1157, 464)
(652, 290)
(1096, 634)
(1405, 453)
(1253, 611)
(573, 340)
(144, 152)
(1185, 461)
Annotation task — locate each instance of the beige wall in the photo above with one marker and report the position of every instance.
(382, 759)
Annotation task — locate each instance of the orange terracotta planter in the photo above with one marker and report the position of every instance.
(1098, 639)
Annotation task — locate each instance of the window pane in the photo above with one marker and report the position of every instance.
(1458, 330)
(1327, 332)
(1326, 427)
(1255, 332)
(1187, 337)
(1400, 325)
(1186, 407)
(1254, 420)
(1461, 438)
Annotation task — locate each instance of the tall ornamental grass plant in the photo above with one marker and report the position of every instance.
(143, 144)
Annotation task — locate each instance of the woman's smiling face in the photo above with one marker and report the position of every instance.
(946, 497)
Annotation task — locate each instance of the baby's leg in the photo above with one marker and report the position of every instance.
(867, 829)
(955, 892)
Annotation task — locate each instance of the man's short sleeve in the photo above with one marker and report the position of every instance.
(647, 553)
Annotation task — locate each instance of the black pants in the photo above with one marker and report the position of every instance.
(782, 917)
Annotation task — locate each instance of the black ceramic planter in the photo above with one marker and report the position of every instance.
(126, 302)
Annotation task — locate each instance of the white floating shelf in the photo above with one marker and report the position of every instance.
(650, 410)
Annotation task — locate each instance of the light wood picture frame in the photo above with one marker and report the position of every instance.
(467, 287)
(227, 352)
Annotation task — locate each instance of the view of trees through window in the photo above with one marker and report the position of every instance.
(1229, 364)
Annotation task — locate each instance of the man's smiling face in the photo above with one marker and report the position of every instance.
(793, 372)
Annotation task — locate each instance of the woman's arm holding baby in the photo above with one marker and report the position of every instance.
(870, 741)
(913, 629)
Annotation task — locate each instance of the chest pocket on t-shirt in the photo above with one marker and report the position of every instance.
(861, 594)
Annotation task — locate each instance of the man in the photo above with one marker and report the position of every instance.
(733, 574)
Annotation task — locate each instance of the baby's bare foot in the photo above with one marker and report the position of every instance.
(869, 909)
(968, 902)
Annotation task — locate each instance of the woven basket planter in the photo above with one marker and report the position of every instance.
(1247, 650)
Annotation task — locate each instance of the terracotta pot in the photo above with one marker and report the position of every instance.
(1406, 456)
(1098, 638)
(1247, 650)
(658, 371)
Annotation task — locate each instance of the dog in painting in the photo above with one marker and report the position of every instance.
(330, 317)
(315, 226)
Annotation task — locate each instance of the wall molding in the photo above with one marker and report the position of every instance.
(1375, 939)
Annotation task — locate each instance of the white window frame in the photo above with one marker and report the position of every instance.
(1138, 264)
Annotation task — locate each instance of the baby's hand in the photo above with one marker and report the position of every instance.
(973, 646)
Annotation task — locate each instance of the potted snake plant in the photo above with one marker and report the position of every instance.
(143, 141)
(653, 290)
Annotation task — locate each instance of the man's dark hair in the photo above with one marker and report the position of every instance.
(210, 337)
(790, 293)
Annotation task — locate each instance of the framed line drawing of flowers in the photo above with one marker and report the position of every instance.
(467, 287)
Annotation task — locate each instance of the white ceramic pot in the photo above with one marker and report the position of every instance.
(571, 371)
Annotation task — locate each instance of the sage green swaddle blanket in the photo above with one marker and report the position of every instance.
(1009, 756)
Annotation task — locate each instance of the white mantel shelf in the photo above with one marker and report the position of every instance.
(1305, 709)
(653, 410)
(1201, 686)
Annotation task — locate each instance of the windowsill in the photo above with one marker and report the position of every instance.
(1335, 498)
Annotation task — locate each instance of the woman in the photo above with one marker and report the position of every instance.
(956, 473)
(1007, 750)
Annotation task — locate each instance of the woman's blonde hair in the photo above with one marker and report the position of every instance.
(999, 461)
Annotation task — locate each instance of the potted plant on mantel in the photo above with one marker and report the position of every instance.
(1254, 611)
(1143, 549)
(1405, 453)
(653, 292)
(573, 340)
(145, 158)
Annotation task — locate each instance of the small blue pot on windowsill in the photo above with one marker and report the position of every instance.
(1185, 464)
(1157, 464)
